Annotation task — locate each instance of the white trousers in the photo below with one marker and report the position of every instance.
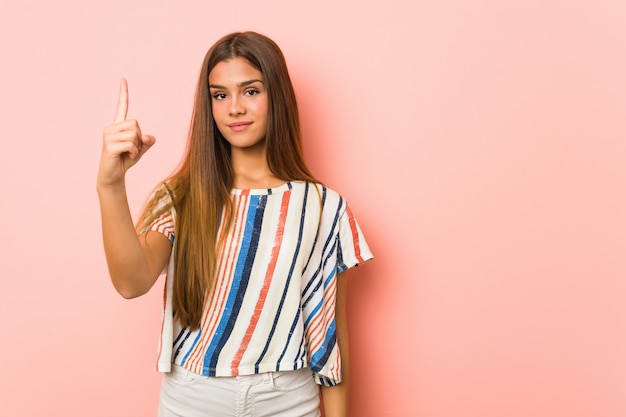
(273, 394)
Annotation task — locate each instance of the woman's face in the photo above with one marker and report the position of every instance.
(239, 103)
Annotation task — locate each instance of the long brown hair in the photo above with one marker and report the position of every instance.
(199, 190)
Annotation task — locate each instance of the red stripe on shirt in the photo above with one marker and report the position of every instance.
(355, 234)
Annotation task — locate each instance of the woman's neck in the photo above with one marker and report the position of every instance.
(251, 170)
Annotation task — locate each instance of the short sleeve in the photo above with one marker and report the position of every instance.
(163, 224)
(352, 248)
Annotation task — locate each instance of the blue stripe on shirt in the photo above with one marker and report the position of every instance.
(245, 260)
(320, 357)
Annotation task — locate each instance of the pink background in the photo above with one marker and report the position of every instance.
(482, 145)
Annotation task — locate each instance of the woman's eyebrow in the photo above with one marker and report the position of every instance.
(241, 84)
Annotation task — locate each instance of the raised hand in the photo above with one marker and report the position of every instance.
(134, 264)
(123, 143)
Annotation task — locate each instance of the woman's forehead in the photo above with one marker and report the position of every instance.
(234, 71)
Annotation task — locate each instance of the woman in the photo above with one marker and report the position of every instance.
(256, 250)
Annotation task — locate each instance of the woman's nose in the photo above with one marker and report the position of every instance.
(236, 106)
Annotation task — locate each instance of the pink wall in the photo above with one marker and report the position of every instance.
(482, 145)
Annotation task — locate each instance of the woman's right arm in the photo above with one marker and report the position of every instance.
(135, 262)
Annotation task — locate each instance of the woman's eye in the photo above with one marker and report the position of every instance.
(219, 96)
(251, 92)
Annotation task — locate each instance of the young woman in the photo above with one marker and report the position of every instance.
(255, 249)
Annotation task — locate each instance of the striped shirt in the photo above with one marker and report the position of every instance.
(273, 303)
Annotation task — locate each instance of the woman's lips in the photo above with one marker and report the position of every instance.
(239, 126)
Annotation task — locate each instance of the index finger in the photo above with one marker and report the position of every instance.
(122, 102)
